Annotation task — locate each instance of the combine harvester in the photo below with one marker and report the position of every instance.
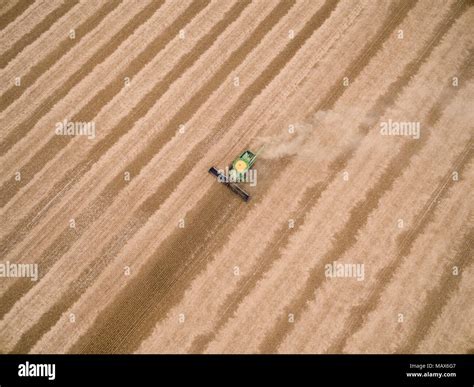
(238, 172)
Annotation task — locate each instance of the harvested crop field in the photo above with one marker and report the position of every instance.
(359, 234)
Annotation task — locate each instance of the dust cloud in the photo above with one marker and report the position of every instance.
(321, 135)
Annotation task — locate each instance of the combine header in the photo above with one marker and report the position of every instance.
(238, 172)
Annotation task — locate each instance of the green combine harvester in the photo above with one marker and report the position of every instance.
(237, 172)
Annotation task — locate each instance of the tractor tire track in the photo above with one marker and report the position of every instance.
(466, 72)
(289, 73)
(157, 198)
(358, 313)
(359, 215)
(439, 297)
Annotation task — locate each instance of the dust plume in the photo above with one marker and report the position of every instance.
(325, 132)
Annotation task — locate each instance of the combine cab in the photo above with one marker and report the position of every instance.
(237, 173)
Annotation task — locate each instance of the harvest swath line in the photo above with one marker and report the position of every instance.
(139, 220)
(368, 52)
(43, 26)
(66, 239)
(438, 298)
(250, 93)
(344, 240)
(88, 112)
(265, 27)
(361, 210)
(119, 222)
(413, 67)
(101, 54)
(174, 263)
(336, 91)
(248, 283)
(358, 313)
(337, 166)
(12, 14)
(28, 79)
